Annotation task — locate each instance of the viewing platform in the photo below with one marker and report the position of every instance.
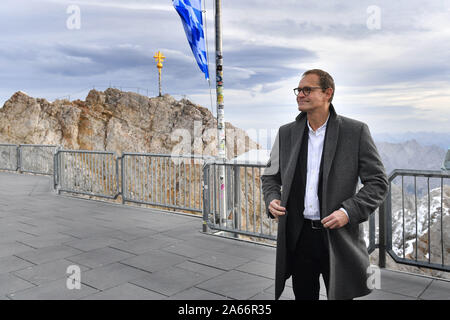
(127, 252)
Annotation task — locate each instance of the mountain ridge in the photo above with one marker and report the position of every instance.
(118, 121)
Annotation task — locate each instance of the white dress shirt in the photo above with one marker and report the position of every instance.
(315, 148)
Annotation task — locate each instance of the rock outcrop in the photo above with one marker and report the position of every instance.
(118, 121)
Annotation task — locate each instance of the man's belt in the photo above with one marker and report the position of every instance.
(315, 224)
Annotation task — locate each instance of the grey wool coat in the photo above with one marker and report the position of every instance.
(349, 153)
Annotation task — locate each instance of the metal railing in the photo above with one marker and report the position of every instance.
(32, 158)
(154, 179)
(36, 158)
(9, 157)
(411, 221)
(163, 180)
(244, 213)
(94, 173)
(371, 232)
(240, 211)
(245, 207)
(411, 225)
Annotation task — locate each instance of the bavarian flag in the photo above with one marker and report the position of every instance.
(191, 16)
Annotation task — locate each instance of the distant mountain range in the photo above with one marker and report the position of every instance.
(410, 155)
(402, 151)
(414, 156)
(422, 137)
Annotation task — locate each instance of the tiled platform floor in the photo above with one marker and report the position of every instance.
(125, 252)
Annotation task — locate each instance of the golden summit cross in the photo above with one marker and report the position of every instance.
(159, 59)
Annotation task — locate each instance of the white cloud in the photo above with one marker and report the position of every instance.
(128, 5)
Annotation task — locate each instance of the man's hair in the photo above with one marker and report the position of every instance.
(325, 80)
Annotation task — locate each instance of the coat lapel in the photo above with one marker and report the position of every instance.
(329, 151)
(296, 141)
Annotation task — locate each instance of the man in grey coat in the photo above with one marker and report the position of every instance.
(310, 188)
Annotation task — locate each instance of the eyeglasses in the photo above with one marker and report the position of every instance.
(306, 90)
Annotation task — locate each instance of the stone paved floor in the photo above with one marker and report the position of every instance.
(124, 252)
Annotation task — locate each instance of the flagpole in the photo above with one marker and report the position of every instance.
(221, 146)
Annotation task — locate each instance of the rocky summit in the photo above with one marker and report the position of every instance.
(118, 121)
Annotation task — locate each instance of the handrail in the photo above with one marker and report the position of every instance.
(87, 172)
(242, 199)
(196, 187)
(40, 161)
(386, 222)
(171, 181)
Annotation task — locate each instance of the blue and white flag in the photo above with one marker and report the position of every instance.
(191, 15)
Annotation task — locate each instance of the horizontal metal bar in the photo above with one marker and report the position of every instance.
(8, 169)
(242, 232)
(415, 263)
(419, 173)
(236, 164)
(164, 155)
(90, 194)
(37, 172)
(162, 205)
(87, 151)
(38, 145)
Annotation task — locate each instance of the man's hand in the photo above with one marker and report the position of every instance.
(275, 209)
(336, 220)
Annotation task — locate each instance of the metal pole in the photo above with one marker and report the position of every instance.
(221, 147)
(19, 158)
(382, 235)
(159, 72)
(159, 59)
(237, 197)
(122, 162)
(206, 196)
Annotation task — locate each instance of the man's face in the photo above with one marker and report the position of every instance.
(316, 99)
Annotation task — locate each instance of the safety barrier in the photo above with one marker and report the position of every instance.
(413, 233)
(9, 157)
(411, 221)
(32, 158)
(94, 173)
(163, 180)
(236, 205)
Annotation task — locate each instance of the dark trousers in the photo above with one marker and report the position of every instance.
(310, 259)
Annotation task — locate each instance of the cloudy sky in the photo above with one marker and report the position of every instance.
(390, 59)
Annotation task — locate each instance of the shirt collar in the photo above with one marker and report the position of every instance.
(319, 130)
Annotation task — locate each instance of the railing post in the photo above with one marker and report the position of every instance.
(60, 171)
(118, 188)
(382, 235)
(206, 198)
(385, 224)
(237, 197)
(122, 171)
(19, 159)
(55, 168)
